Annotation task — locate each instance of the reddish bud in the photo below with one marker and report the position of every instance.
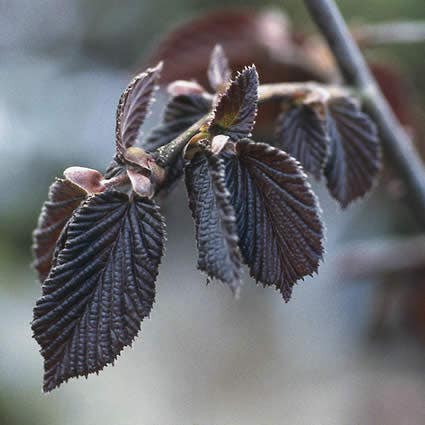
(137, 157)
(88, 179)
(218, 143)
(141, 184)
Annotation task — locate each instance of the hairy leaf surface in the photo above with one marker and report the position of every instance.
(133, 107)
(101, 286)
(215, 223)
(280, 232)
(236, 109)
(301, 131)
(219, 72)
(64, 197)
(354, 160)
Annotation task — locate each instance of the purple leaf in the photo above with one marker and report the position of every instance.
(101, 286)
(215, 225)
(355, 156)
(280, 232)
(236, 109)
(301, 131)
(133, 107)
(64, 197)
(219, 72)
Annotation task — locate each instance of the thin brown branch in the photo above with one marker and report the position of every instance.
(166, 154)
(381, 258)
(396, 142)
(277, 91)
(397, 32)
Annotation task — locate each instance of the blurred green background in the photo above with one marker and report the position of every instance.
(203, 358)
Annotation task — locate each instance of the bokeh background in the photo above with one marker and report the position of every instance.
(347, 350)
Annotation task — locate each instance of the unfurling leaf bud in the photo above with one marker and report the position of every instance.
(220, 142)
(137, 157)
(141, 184)
(157, 172)
(140, 163)
(88, 179)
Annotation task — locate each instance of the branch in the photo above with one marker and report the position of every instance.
(368, 259)
(278, 91)
(398, 146)
(396, 32)
(165, 155)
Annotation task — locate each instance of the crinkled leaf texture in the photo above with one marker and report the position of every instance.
(301, 131)
(355, 155)
(181, 112)
(279, 228)
(133, 107)
(219, 72)
(214, 217)
(101, 286)
(64, 197)
(236, 109)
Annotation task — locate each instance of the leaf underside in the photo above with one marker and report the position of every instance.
(219, 71)
(302, 133)
(133, 108)
(181, 112)
(354, 160)
(236, 109)
(214, 217)
(280, 232)
(64, 197)
(101, 286)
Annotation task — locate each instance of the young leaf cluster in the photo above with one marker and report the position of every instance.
(331, 137)
(100, 237)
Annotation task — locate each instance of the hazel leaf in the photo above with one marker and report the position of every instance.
(355, 155)
(214, 217)
(279, 228)
(101, 287)
(236, 109)
(301, 131)
(133, 108)
(64, 197)
(219, 72)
